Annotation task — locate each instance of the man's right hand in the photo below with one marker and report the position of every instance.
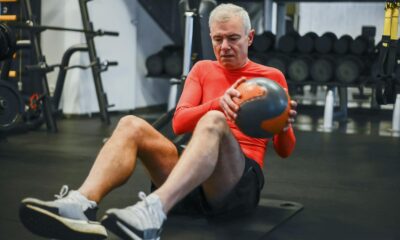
(227, 102)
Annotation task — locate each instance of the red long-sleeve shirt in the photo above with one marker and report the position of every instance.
(206, 83)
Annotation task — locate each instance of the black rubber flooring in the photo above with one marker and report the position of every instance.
(349, 184)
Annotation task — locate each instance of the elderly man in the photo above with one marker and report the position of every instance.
(219, 172)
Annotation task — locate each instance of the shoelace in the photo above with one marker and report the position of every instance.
(64, 197)
(143, 197)
(63, 192)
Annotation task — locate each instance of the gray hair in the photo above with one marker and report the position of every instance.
(225, 11)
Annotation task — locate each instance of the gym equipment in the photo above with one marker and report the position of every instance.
(287, 43)
(299, 68)
(154, 65)
(306, 43)
(205, 8)
(396, 117)
(278, 61)
(387, 89)
(323, 69)
(49, 106)
(7, 36)
(96, 70)
(359, 46)
(254, 226)
(172, 60)
(328, 110)
(375, 71)
(397, 74)
(11, 106)
(173, 64)
(263, 42)
(29, 25)
(263, 108)
(31, 116)
(342, 45)
(349, 69)
(168, 61)
(324, 44)
(257, 57)
(7, 42)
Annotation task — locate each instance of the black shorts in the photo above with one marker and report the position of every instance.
(242, 200)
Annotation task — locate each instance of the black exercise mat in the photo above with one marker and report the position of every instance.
(268, 216)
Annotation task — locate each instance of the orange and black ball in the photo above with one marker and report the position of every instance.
(263, 107)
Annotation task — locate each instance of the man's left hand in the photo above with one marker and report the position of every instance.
(292, 115)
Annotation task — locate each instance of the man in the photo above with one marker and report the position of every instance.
(220, 165)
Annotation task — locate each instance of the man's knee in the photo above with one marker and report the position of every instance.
(213, 122)
(132, 126)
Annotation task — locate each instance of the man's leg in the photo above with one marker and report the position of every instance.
(73, 216)
(212, 158)
(132, 138)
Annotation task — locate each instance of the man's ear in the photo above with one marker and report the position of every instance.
(251, 36)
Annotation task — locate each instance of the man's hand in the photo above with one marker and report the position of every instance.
(292, 115)
(227, 102)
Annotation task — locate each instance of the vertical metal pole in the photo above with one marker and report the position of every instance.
(187, 59)
(96, 71)
(47, 104)
(187, 51)
(280, 20)
(396, 117)
(343, 100)
(328, 110)
(268, 4)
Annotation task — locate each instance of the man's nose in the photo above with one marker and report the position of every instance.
(225, 45)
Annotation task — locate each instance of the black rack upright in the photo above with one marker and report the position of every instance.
(96, 70)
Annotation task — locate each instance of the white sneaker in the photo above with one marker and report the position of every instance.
(70, 216)
(140, 221)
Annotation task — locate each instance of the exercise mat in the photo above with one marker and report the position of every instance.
(267, 217)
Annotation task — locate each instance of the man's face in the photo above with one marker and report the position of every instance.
(230, 43)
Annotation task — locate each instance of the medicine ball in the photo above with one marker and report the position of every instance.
(263, 108)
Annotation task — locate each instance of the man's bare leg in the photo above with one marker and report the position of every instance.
(212, 158)
(115, 163)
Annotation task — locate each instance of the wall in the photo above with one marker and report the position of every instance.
(341, 18)
(126, 85)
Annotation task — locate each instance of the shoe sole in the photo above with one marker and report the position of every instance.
(47, 224)
(112, 223)
(119, 228)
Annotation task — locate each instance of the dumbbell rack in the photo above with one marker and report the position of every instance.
(96, 70)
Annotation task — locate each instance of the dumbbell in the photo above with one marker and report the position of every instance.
(287, 43)
(349, 69)
(306, 43)
(324, 44)
(299, 68)
(342, 45)
(263, 42)
(323, 68)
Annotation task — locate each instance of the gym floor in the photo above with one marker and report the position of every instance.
(348, 180)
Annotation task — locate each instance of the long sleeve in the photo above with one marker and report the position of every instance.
(284, 143)
(189, 110)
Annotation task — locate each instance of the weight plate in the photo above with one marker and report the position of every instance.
(11, 106)
(298, 70)
(10, 43)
